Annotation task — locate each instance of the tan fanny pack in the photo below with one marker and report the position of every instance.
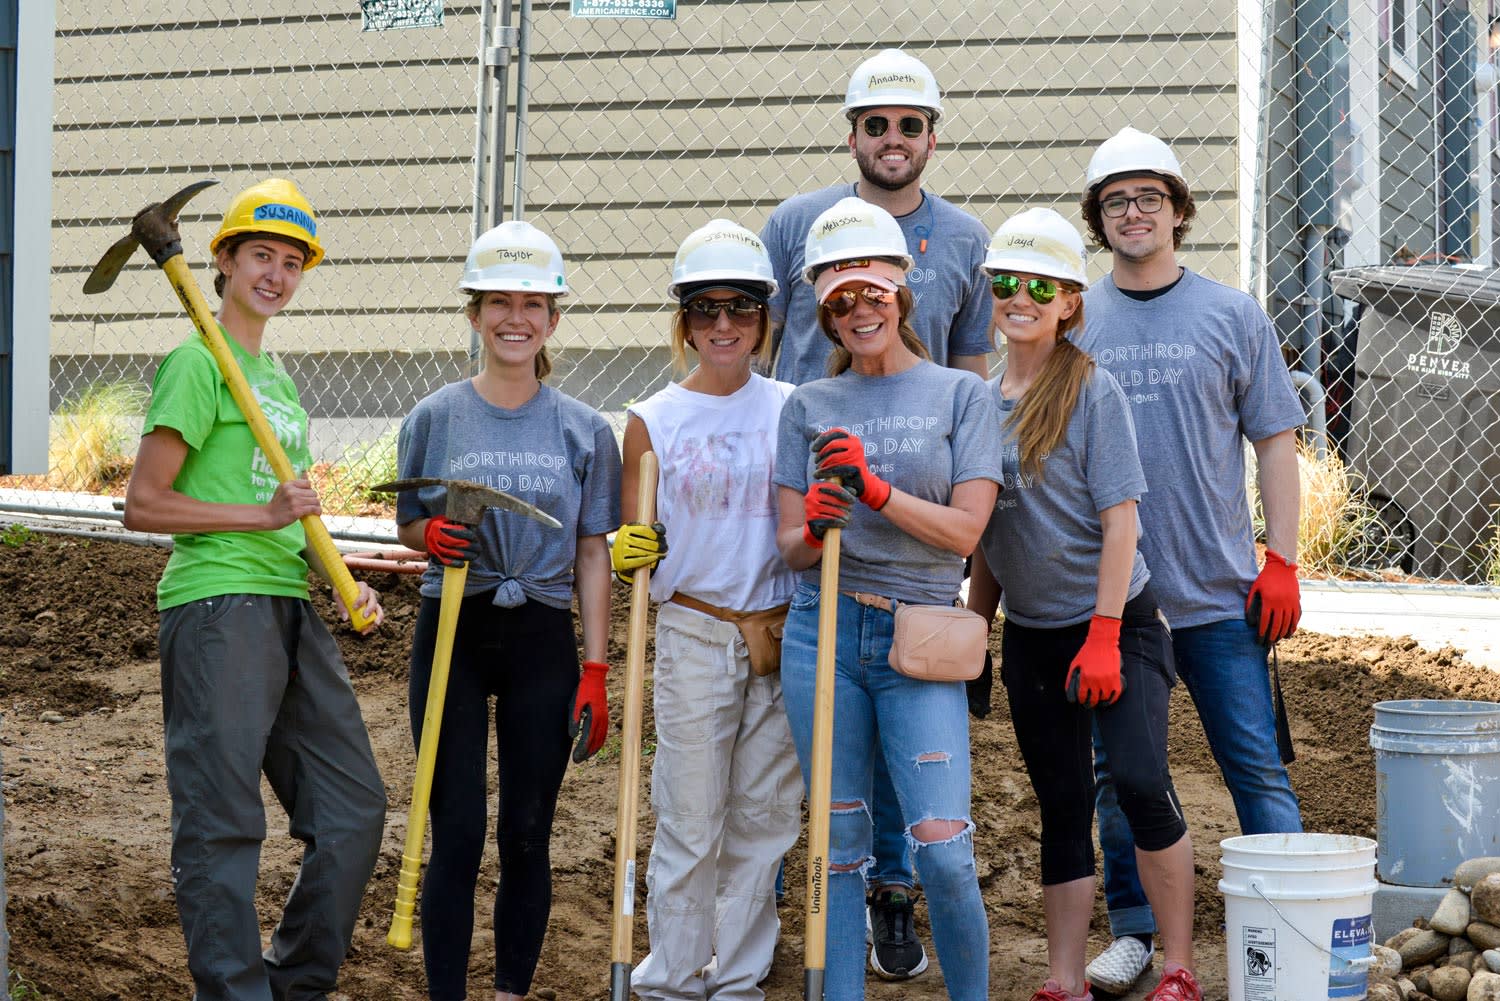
(938, 643)
(761, 630)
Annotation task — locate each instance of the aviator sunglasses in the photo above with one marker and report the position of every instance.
(703, 313)
(911, 126)
(842, 303)
(1041, 290)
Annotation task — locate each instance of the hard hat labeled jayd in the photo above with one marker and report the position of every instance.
(273, 206)
(893, 78)
(1131, 151)
(722, 251)
(1038, 242)
(515, 256)
(853, 229)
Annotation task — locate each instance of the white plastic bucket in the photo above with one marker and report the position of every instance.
(1297, 915)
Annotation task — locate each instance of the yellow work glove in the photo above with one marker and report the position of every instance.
(635, 546)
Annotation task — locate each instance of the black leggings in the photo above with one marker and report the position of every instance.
(1056, 737)
(527, 659)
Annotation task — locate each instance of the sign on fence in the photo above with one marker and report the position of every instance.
(383, 15)
(654, 9)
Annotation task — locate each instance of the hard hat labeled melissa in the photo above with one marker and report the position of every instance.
(515, 256)
(853, 229)
(276, 208)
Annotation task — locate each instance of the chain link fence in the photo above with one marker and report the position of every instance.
(638, 131)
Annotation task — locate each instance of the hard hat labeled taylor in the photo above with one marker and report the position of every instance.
(515, 256)
(273, 206)
(893, 78)
(853, 229)
(722, 251)
(1038, 242)
(1131, 151)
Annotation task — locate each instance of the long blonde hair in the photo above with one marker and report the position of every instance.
(542, 360)
(760, 358)
(841, 359)
(1041, 418)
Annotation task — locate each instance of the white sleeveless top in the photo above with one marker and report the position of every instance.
(715, 494)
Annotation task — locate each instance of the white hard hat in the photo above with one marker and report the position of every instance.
(515, 256)
(1131, 151)
(853, 229)
(891, 77)
(722, 251)
(1038, 242)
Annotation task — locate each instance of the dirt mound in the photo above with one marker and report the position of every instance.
(91, 911)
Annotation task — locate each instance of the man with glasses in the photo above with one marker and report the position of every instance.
(1202, 368)
(893, 106)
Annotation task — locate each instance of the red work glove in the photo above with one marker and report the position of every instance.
(589, 724)
(1094, 679)
(450, 542)
(1275, 603)
(827, 506)
(841, 456)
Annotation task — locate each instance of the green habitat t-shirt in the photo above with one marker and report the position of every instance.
(225, 465)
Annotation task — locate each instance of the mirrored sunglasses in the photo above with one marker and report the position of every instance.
(842, 303)
(704, 312)
(1041, 290)
(911, 126)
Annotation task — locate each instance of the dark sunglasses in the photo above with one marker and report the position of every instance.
(1148, 203)
(705, 312)
(911, 126)
(842, 303)
(1041, 290)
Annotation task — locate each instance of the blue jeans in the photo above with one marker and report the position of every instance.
(922, 729)
(1224, 669)
(892, 859)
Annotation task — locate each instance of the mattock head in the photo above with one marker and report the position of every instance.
(466, 501)
(155, 228)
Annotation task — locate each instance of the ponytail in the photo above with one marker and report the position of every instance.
(1041, 419)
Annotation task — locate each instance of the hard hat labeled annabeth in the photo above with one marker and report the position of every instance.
(853, 229)
(515, 256)
(1131, 151)
(891, 77)
(272, 206)
(1039, 242)
(722, 251)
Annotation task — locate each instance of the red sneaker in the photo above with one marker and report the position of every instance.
(1177, 985)
(1053, 991)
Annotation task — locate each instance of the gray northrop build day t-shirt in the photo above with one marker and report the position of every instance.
(1044, 538)
(551, 451)
(952, 313)
(1202, 370)
(924, 430)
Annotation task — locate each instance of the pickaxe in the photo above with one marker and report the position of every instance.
(466, 504)
(155, 228)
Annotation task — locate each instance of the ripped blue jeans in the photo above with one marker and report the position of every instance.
(922, 729)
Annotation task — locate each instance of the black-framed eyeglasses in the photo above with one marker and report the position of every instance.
(842, 303)
(1148, 202)
(911, 126)
(704, 312)
(1041, 290)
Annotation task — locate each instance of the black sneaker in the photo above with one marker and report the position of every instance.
(895, 951)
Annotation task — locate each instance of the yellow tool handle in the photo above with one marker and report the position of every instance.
(318, 539)
(820, 777)
(630, 730)
(432, 725)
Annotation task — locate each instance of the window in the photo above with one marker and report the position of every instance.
(1398, 35)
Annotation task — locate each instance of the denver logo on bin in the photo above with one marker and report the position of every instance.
(1444, 335)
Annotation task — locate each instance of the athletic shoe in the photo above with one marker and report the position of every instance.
(895, 953)
(1052, 991)
(1116, 969)
(1177, 985)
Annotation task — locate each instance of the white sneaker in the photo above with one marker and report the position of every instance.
(1117, 968)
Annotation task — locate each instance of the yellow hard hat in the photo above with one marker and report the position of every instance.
(272, 206)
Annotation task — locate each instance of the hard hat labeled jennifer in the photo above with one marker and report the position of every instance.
(1038, 242)
(1131, 151)
(853, 229)
(515, 256)
(273, 206)
(891, 77)
(721, 251)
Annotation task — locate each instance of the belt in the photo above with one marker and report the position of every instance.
(723, 614)
(871, 600)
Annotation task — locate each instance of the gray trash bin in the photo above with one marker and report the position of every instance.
(1425, 433)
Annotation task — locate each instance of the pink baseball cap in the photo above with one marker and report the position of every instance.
(865, 271)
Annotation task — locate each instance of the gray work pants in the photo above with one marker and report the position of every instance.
(252, 683)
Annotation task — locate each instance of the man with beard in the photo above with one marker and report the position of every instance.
(893, 106)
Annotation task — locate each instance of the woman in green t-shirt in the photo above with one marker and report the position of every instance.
(252, 682)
